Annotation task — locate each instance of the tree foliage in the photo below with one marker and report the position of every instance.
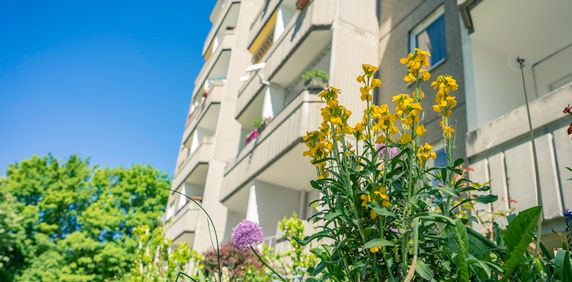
(154, 262)
(69, 221)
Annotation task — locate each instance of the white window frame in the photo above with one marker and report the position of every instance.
(420, 27)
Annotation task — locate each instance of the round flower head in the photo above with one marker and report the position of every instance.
(247, 234)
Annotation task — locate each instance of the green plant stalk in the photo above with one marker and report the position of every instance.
(267, 265)
(337, 159)
(211, 222)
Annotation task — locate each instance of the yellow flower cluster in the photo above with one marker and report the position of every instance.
(380, 196)
(444, 102)
(414, 61)
(407, 109)
(424, 153)
(369, 82)
(319, 146)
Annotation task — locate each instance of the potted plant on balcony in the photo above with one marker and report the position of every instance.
(259, 124)
(315, 79)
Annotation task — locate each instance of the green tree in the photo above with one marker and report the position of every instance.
(154, 262)
(69, 221)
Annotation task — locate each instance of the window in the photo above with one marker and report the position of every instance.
(440, 161)
(430, 35)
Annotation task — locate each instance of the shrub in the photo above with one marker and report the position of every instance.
(237, 262)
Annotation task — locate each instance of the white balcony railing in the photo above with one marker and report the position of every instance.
(183, 222)
(501, 152)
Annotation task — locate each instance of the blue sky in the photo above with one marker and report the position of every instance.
(110, 80)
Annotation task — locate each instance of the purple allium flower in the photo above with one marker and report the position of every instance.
(247, 234)
(383, 150)
(567, 215)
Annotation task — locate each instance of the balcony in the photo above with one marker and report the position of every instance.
(216, 67)
(223, 21)
(307, 35)
(501, 152)
(182, 226)
(276, 150)
(193, 166)
(204, 111)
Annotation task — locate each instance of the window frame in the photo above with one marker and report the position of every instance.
(421, 26)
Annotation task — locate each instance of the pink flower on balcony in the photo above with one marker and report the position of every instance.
(252, 136)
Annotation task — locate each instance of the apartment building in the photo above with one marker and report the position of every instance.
(241, 151)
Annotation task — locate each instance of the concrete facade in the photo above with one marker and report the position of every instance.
(257, 51)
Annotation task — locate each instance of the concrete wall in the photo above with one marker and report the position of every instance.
(397, 20)
(501, 152)
(269, 203)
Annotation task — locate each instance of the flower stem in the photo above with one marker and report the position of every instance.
(267, 265)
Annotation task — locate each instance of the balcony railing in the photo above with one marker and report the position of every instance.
(202, 155)
(279, 136)
(201, 104)
(501, 152)
(183, 222)
(190, 153)
(225, 45)
(225, 10)
(288, 49)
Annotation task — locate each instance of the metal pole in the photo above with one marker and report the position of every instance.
(520, 62)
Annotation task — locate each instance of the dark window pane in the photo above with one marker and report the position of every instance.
(433, 40)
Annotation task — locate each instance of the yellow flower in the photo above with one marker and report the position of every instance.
(368, 69)
(360, 79)
(420, 130)
(448, 132)
(376, 82)
(409, 78)
(372, 214)
(381, 139)
(374, 249)
(451, 101)
(424, 153)
(404, 138)
(365, 95)
(365, 199)
(386, 204)
(425, 75)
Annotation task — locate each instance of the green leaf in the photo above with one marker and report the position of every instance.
(463, 242)
(486, 199)
(518, 235)
(377, 243)
(423, 270)
(332, 215)
(562, 267)
(480, 264)
(314, 236)
(380, 210)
